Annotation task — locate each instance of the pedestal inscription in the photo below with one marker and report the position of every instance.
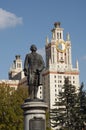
(37, 124)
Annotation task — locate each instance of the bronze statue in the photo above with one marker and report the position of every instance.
(33, 67)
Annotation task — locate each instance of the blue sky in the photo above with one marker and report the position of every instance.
(24, 22)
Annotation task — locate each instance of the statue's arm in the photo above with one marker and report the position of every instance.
(26, 65)
(42, 64)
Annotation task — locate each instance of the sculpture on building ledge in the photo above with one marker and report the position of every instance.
(33, 67)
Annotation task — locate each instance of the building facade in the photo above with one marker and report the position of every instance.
(15, 74)
(58, 65)
(16, 70)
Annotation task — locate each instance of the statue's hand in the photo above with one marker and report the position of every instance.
(25, 72)
(37, 71)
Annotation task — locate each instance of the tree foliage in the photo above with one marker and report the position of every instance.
(11, 114)
(47, 121)
(82, 106)
(67, 110)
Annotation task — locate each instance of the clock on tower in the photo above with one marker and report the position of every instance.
(61, 46)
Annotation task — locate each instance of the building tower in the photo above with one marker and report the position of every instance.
(16, 71)
(58, 65)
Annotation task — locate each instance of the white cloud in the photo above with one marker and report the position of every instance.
(8, 19)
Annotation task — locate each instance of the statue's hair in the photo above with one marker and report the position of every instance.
(33, 48)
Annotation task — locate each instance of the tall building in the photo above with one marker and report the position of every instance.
(58, 65)
(16, 70)
(15, 74)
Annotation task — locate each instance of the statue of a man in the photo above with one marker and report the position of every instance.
(33, 67)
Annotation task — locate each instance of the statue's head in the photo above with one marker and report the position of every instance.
(33, 48)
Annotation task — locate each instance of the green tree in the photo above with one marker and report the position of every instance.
(81, 107)
(5, 96)
(65, 107)
(47, 121)
(11, 114)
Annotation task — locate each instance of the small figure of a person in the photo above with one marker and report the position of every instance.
(33, 67)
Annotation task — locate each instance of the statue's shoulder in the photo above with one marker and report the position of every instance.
(28, 55)
(38, 55)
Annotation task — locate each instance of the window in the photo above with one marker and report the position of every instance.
(55, 90)
(55, 81)
(60, 81)
(54, 76)
(55, 95)
(73, 82)
(73, 77)
(40, 87)
(59, 90)
(59, 77)
(55, 99)
(60, 35)
(18, 65)
(57, 35)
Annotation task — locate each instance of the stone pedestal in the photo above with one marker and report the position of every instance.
(34, 114)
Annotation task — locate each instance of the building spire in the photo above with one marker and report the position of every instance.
(57, 32)
(57, 24)
(68, 37)
(77, 64)
(47, 40)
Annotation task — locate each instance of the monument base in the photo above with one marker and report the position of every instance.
(34, 114)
